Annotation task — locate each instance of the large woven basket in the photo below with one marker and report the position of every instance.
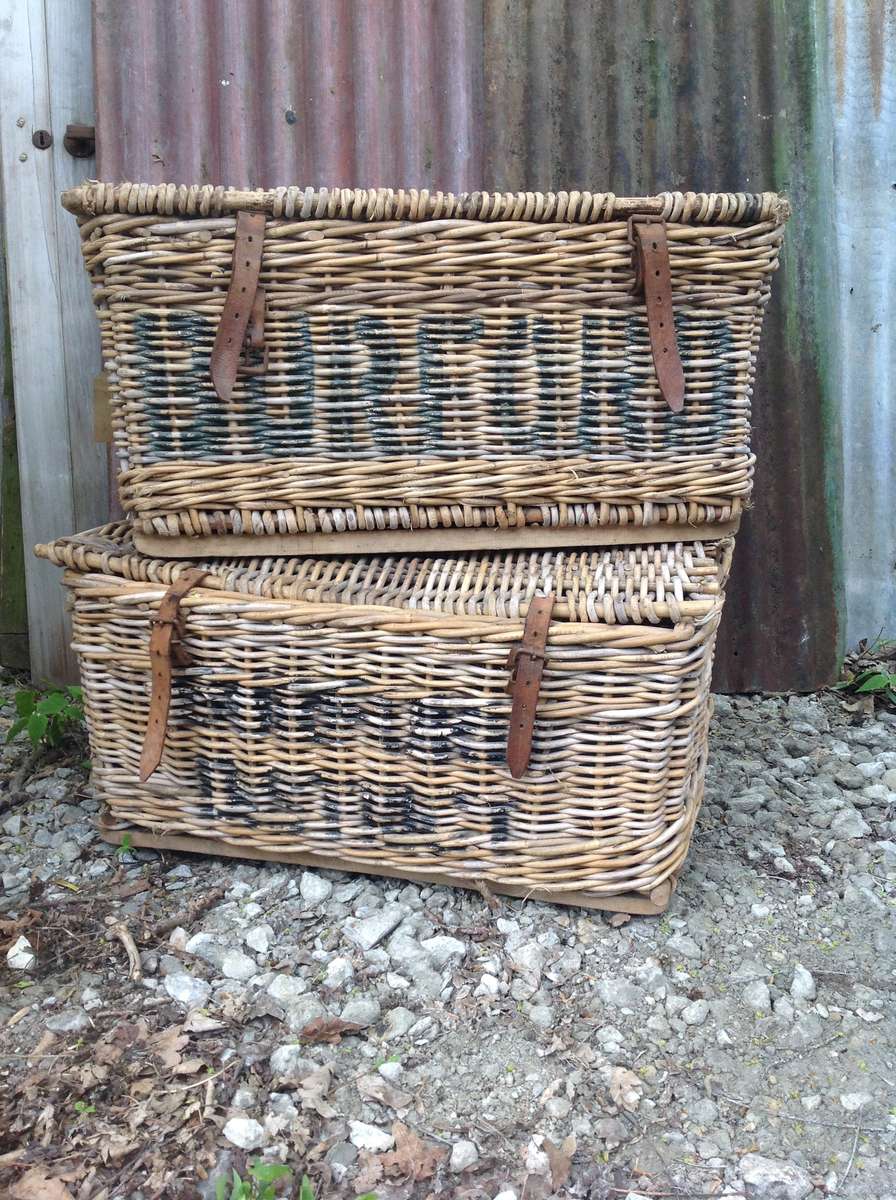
(355, 713)
(343, 368)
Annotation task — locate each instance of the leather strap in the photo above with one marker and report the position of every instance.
(164, 644)
(650, 249)
(526, 663)
(238, 307)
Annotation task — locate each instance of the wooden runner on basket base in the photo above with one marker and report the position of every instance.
(409, 541)
(636, 903)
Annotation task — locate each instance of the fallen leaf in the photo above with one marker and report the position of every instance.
(91, 1075)
(625, 1088)
(131, 889)
(328, 1029)
(189, 1066)
(43, 1045)
(107, 1053)
(128, 1034)
(412, 1158)
(167, 1045)
(138, 1113)
(370, 1173)
(45, 1125)
(313, 1090)
(199, 1022)
(374, 1087)
(15, 926)
(116, 1145)
(36, 1184)
(618, 919)
(560, 1158)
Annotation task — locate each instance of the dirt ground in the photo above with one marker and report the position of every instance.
(169, 1017)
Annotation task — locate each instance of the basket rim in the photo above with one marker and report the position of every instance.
(415, 591)
(362, 205)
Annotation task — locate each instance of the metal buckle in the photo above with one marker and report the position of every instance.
(254, 337)
(513, 662)
(250, 368)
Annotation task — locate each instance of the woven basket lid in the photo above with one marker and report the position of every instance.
(661, 584)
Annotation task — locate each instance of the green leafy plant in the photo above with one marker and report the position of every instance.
(49, 717)
(876, 682)
(125, 846)
(258, 1184)
(83, 1108)
(870, 672)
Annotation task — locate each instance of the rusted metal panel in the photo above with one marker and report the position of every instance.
(624, 94)
(645, 97)
(359, 92)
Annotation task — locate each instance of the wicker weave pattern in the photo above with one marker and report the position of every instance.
(631, 585)
(433, 361)
(376, 732)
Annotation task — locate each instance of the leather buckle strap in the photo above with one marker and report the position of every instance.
(526, 662)
(255, 337)
(241, 306)
(653, 277)
(165, 644)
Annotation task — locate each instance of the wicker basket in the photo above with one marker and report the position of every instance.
(355, 713)
(329, 371)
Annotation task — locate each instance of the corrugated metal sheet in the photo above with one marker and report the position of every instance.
(633, 95)
(706, 96)
(221, 91)
(863, 67)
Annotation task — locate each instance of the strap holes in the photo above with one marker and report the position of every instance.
(656, 273)
(655, 246)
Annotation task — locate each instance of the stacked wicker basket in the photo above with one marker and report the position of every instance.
(431, 506)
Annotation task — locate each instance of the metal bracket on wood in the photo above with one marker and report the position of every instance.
(80, 140)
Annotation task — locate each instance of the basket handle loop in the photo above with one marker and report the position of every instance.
(244, 304)
(526, 662)
(165, 645)
(653, 277)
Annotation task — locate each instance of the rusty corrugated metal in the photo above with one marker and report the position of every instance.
(630, 95)
(364, 92)
(642, 97)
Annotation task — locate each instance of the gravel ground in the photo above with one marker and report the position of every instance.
(742, 1045)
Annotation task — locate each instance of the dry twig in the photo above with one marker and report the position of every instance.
(119, 930)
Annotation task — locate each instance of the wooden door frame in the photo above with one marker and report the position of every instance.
(47, 83)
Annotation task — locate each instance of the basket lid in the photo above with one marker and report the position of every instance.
(93, 198)
(662, 584)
